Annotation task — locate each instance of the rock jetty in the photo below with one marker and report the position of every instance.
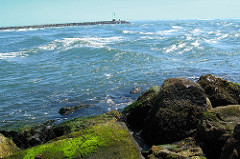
(65, 25)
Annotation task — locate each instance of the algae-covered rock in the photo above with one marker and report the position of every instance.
(109, 140)
(176, 111)
(216, 128)
(31, 135)
(220, 92)
(184, 149)
(7, 147)
(84, 122)
(137, 112)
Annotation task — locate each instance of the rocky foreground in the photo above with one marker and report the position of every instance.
(179, 120)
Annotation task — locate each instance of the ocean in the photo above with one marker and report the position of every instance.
(45, 69)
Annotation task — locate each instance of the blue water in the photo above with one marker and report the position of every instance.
(43, 70)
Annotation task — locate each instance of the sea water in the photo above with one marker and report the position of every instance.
(42, 70)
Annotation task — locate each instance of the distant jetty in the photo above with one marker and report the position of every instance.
(65, 24)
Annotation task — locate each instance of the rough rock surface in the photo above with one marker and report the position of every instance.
(216, 129)
(136, 113)
(220, 92)
(186, 148)
(7, 147)
(108, 140)
(176, 110)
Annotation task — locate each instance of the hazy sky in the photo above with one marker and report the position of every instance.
(31, 12)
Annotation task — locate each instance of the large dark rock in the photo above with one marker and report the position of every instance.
(220, 92)
(136, 113)
(32, 136)
(214, 134)
(176, 111)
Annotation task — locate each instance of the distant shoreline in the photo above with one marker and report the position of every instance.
(65, 24)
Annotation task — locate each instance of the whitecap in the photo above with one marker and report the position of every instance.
(12, 54)
(166, 32)
(196, 43)
(128, 32)
(147, 33)
(51, 46)
(196, 31)
(177, 27)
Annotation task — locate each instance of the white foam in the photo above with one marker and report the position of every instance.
(128, 32)
(51, 46)
(12, 54)
(196, 43)
(147, 33)
(177, 27)
(166, 32)
(196, 31)
(213, 41)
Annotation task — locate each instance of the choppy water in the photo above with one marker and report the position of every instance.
(43, 70)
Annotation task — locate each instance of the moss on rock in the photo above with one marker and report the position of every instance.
(136, 112)
(7, 147)
(101, 141)
(84, 122)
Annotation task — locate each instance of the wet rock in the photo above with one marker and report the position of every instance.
(215, 131)
(106, 140)
(7, 147)
(33, 135)
(136, 90)
(137, 112)
(69, 110)
(186, 148)
(176, 111)
(220, 92)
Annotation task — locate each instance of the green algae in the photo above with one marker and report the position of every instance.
(85, 143)
(87, 121)
(147, 96)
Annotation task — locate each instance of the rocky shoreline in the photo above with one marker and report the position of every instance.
(179, 120)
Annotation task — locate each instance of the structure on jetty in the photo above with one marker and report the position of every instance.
(66, 24)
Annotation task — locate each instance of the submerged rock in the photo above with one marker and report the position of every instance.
(7, 147)
(186, 148)
(176, 111)
(69, 110)
(137, 112)
(136, 90)
(220, 92)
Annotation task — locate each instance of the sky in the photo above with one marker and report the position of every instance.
(34, 12)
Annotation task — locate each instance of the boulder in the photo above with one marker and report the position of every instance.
(31, 135)
(69, 110)
(7, 147)
(136, 113)
(108, 140)
(176, 111)
(220, 92)
(215, 131)
(186, 148)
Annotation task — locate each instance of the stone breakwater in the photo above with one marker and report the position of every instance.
(65, 24)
